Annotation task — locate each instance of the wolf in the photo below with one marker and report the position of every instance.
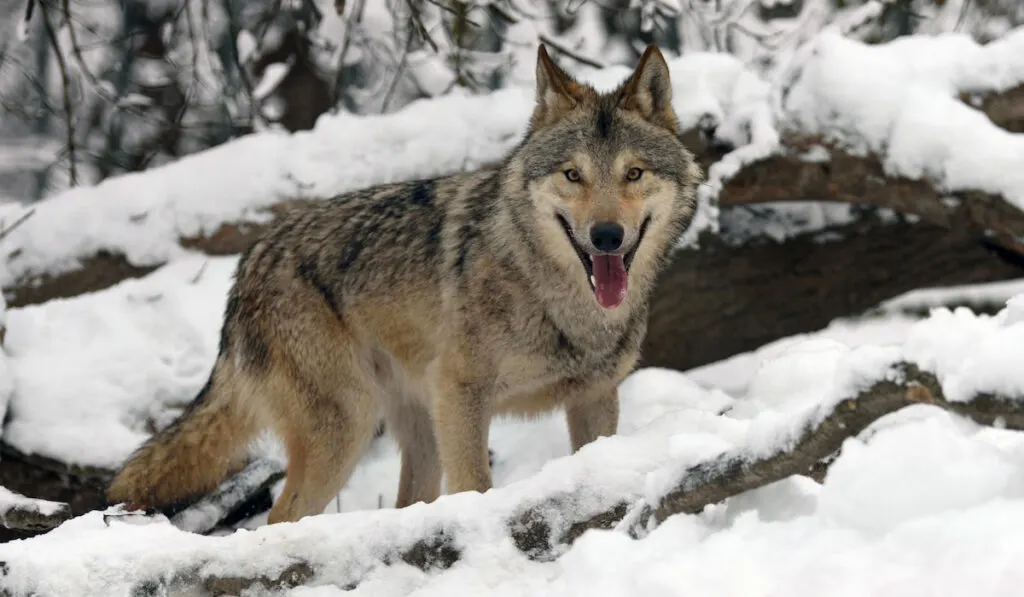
(437, 304)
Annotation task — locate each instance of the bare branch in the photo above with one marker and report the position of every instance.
(568, 52)
(399, 71)
(65, 79)
(5, 230)
(417, 21)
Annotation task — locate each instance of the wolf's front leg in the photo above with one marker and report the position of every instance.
(462, 417)
(592, 415)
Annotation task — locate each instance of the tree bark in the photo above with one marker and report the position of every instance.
(724, 300)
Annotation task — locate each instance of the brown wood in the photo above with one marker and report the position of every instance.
(723, 300)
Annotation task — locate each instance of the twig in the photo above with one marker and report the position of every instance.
(356, 17)
(458, 13)
(962, 16)
(417, 20)
(399, 71)
(65, 79)
(562, 49)
(5, 230)
(199, 274)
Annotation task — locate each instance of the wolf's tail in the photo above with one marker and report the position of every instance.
(192, 455)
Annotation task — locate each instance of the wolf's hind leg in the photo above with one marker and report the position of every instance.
(324, 440)
(413, 429)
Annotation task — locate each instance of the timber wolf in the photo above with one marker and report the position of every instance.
(437, 304)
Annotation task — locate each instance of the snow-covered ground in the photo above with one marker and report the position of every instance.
(924, 503)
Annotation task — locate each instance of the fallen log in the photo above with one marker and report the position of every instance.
(544, 527)
(206, 513)
(788, 176)
(727, 298)
(21, 513)
(544, 531)
(734, 473)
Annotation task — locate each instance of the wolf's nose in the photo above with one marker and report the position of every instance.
(607, 236)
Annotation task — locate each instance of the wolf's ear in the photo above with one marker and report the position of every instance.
(649, 90)
(557, 92)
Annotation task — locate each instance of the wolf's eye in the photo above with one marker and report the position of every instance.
(572, 175)
(634, 174)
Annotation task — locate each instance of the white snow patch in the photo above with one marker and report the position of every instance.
(272, 76)
(922, 468)
(900, 101)
(971, 354)
(124, 356)
(10, 500)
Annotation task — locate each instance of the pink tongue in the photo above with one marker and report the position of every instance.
(610, 280)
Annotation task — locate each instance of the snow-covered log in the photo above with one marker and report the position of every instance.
(696, 487)
(344, 550)
(21, 513)
(206, 513)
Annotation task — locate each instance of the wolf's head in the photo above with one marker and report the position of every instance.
(607, 175)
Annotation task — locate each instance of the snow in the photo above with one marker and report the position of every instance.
(246, 46)
(272, 76)
(938, 453)
(10, 500)
(900, 101)
(124, 355)
(972, 354)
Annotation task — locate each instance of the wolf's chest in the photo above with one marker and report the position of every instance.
(555, 356)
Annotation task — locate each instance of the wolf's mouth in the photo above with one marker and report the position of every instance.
(611, 279)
